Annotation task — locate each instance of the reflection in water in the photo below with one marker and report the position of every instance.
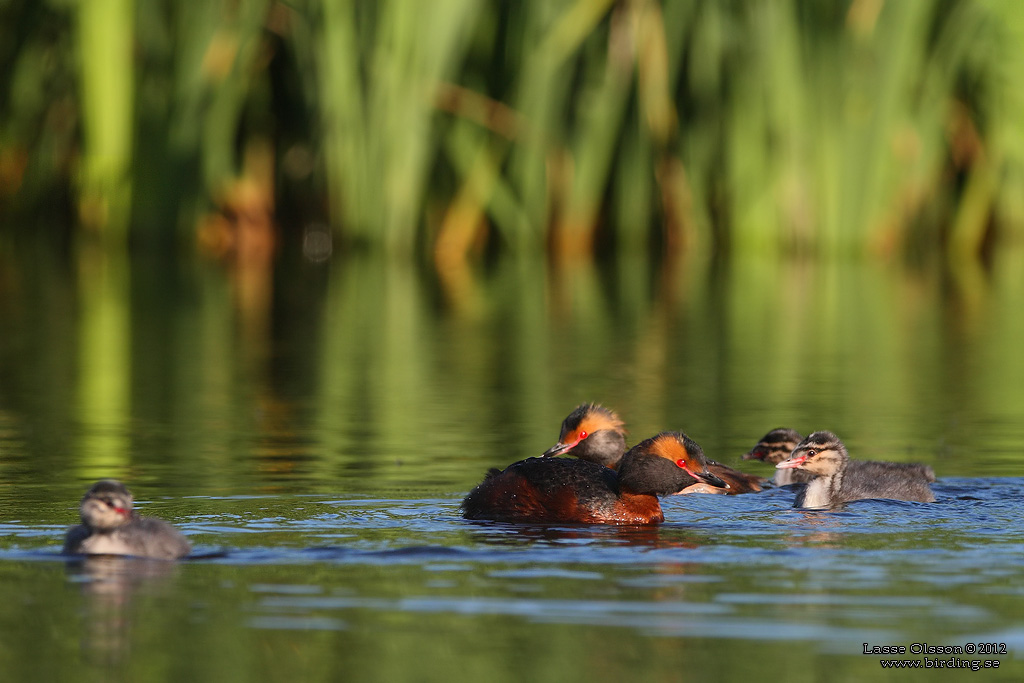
(812, 528)
(110, 584)
(104, 380)
(368, 373)
(527, 535)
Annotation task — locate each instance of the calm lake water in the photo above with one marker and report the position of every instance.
(313, 430)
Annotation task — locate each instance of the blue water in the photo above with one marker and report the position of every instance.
(734, 573)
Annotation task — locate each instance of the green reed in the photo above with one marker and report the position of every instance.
(748, 126)
(107, 85)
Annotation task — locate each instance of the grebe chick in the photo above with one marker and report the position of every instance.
(776, 445)
(773, 448)
(824, 456)
(596, 434)
(110, 527)
(560, 490)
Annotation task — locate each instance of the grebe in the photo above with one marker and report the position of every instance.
(593, 433)
(776, 445)
(559, 490)
(824, 456)
(596, 434)
(110, 527)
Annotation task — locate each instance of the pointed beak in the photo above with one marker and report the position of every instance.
(557, 449)
(752, 455)
(791, 463)
(703, 475)
(712, 479)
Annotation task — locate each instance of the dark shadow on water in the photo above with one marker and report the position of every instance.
(520, 536)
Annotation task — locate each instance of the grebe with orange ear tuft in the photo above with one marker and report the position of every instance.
(594, 433)
(559, 490)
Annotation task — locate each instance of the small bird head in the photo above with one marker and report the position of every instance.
(106, 505)
(821, 453)
(591, 432)
(665, 464)
(775, 446)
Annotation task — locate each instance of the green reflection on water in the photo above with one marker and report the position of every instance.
(103, 381)
(368, 375)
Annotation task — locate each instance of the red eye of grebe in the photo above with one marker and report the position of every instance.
(682, 464)
(583, 435)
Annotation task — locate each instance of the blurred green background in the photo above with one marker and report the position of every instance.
(426, 229)
(454, 129)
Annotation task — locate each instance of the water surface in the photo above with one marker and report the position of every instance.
(314, 435)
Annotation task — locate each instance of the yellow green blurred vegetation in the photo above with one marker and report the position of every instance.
(458, 128)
